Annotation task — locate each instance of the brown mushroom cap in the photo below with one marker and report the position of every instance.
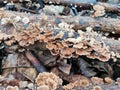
(78, 45)
(97, 80)
(50, 46)
(67, 52)
(82, 52)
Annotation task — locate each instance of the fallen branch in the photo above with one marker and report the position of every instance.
(38, 66)
(16, 67)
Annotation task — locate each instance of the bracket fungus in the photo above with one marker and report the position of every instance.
(61, 40)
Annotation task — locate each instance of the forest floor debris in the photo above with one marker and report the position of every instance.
(59, 45)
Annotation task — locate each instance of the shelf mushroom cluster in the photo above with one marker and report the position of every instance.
(66, 43)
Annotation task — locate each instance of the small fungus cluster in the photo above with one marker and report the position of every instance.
(87, 43)
(78, 83)
(27, 38)
(12, 88)
(97, 80)
(7, 20)
(99, 10)
(97, 88)
(48, 81)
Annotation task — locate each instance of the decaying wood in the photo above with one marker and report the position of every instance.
(79, 22)
(114, 45)
(80, 4)
(85, 4)
(63, 40)
(73, 78)
(38, 66)
(111, 8)
(104, 87)
(102, 24)
(60, 37)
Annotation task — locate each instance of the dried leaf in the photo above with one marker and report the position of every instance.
(65, 68)
(84, 67)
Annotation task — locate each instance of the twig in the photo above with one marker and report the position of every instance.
(39, 67)
(17, 67)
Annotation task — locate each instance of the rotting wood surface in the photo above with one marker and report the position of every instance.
(79, 22)
(81, 4)
(85, 4)
(60, 35)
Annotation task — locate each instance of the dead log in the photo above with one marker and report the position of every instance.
(61, 39)
(79, 22)
(111, 8)
(113, 44)
(80, 4)
(85, 4)
(100, 24)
